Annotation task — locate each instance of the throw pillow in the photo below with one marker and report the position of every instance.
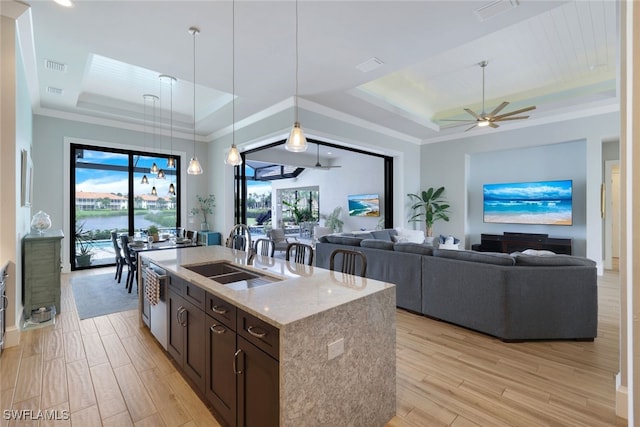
(381, 235)
(412, 236)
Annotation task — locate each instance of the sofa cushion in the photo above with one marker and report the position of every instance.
(553, 260)
(383, 234)
(414, 248)
(377, 244)
(473, 256)
(344, 240)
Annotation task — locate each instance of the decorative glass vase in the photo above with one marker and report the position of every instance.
(204, 226)
(41, 222)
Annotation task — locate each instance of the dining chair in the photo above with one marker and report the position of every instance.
(300, 253)
(191, 235)
(265, 247)
(130, 258)
(348, 261)
(118, 253)
(280, 240)
(240, 238)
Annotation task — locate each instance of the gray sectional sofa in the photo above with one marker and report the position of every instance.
(513, 297)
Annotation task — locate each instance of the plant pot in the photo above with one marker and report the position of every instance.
(428, 240)
(204, 226)
(83, 260)
(156, 237)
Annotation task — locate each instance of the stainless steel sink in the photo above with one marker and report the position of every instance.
(230, 275)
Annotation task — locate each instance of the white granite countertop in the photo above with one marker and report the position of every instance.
(302, 291)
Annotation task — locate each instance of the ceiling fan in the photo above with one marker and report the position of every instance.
(483, 119)
(318, 165)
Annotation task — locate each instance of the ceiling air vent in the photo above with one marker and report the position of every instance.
(55, 66)
(55, 90)
(495, 8)
(369, 65)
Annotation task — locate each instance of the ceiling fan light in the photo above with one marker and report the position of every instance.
(233, 157)
(483, 123)
(296, 142)
(194, 167)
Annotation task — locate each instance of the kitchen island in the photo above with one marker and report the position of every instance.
(296, 346)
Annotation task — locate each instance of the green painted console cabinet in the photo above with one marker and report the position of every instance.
(41, 270)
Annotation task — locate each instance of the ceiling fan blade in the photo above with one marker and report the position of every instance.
(468, 129)
(493, 125)
(473, 114)
(510, 118)
(498, 109)
(455, 125)
(522, 110)
(457, 120)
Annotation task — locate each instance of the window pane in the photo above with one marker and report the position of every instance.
(101, 205)
(157, 209)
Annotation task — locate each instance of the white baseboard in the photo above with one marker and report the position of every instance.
(622, 399)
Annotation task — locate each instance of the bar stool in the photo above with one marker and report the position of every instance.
(301, 253)
(351, 262)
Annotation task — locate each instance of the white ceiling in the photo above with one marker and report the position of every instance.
(558, 55)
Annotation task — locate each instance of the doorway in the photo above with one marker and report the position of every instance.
(611, 212)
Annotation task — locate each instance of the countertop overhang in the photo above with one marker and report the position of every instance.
(301, 291)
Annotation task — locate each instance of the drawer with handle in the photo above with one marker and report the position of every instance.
(258, 332)
(221, 310)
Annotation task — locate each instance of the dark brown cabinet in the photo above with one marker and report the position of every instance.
(242, 373)
(186, 326)
(258, 397)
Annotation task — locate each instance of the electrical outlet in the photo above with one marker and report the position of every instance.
(335, 349)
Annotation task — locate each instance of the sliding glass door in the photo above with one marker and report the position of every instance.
(116, 190)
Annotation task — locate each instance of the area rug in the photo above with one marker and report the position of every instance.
(101, 294)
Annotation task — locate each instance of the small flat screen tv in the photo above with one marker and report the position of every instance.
(364, 205)
(539, 202)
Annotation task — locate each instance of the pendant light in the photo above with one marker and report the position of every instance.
(233, 157)
(171, 160)
(154, 192)
(296, 142)
(194, 165)
(154, 167)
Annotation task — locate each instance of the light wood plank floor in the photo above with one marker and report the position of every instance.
(108, 371)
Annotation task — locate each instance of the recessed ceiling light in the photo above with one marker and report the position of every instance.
(65, 3)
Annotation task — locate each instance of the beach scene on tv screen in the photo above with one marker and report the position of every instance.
(364, 205)
(543, 202)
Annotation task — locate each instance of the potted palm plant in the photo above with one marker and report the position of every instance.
(333, 220)
(84, 245)
(429, 206)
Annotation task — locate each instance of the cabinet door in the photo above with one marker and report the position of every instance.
(175, 329)
(258, 387)
(194, 346)
(220, 377)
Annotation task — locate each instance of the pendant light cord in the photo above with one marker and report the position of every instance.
(195, 31)
(296, 97)
(233, 73)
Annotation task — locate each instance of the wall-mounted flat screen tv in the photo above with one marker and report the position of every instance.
(540, 202)
(364, 205)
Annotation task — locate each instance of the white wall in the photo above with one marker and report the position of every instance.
(448, 163)
(530, 164)
(16, 136)
(51, 140)
(359, 174)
